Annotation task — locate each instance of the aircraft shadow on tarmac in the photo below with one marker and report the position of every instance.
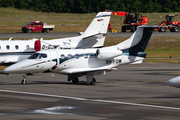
(45, 82)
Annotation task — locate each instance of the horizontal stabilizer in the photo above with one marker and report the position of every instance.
(137, 62)
(95, 41)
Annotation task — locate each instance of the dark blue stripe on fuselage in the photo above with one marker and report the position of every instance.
(139, 54)
(73, 56)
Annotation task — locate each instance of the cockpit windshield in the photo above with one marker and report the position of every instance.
(38, 55)
(29, 23)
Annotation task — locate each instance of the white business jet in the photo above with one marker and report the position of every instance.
(86, 62)
(12, 51)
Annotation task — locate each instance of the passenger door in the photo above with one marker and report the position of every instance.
(54, 59)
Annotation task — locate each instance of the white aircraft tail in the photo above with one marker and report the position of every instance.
(96, 32)
(138, 41)
(98, 25)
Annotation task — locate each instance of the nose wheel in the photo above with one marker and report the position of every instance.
(23, 82)
(93, 81)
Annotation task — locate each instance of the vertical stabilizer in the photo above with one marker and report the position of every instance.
(98, 25)
(138, 41)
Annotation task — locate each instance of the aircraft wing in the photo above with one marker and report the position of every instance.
(86, 70)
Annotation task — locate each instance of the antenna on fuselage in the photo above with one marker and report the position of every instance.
(10, 38)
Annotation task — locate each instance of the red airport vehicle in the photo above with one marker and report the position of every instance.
(131, 21)
(37, 26)
(173, 25)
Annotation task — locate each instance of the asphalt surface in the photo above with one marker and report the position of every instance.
(63, 35)
(133, 92)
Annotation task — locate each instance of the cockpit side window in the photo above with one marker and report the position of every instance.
(43, 56)
(34, 56)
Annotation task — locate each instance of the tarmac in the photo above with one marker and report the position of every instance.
(64, 35)
(133, 92)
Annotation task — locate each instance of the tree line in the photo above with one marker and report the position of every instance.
(91, 6)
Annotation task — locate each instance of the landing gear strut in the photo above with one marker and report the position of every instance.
(23, 82)
(90, 79)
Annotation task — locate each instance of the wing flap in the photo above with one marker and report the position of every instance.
(84, 70)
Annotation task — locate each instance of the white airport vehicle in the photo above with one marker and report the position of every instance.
(12, 51)
(86, 62)
(174, 82)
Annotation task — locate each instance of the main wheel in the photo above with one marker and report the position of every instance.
(24, 31)
(23, 82)
(123, 29)
(176, 29)
(47, 30)
(162, 29)
(93, 81)
(30, 31)
(133, 29)
(75, 80)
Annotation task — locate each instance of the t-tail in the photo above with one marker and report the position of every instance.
(137, 43)
(96, 32)
(98, 25)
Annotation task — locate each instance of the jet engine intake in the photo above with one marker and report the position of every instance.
(108, 53)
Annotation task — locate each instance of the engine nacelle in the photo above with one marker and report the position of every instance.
(37, 45)
(108, 53)
(40, 45)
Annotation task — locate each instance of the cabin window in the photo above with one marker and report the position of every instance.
(69, 56)
(62, 56)
(34, 56)
(0, 47)
(43, 56)
(86, 56)
(17, 47)
(8, 47)
(27, 46)
(76, 56)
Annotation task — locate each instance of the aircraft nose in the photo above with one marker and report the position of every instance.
(10, 69)
(175, 82)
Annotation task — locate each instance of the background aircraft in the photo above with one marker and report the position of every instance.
(174, 82)
(86, 62)
(93, 37)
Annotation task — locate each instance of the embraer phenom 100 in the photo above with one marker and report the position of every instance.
(12, 51)
(86, 62)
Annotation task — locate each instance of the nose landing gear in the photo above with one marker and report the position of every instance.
(23, 82)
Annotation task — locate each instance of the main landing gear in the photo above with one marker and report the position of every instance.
(75, 80)
(23, 82)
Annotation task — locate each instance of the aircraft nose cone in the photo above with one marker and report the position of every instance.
(175, 82)
(10, 69)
